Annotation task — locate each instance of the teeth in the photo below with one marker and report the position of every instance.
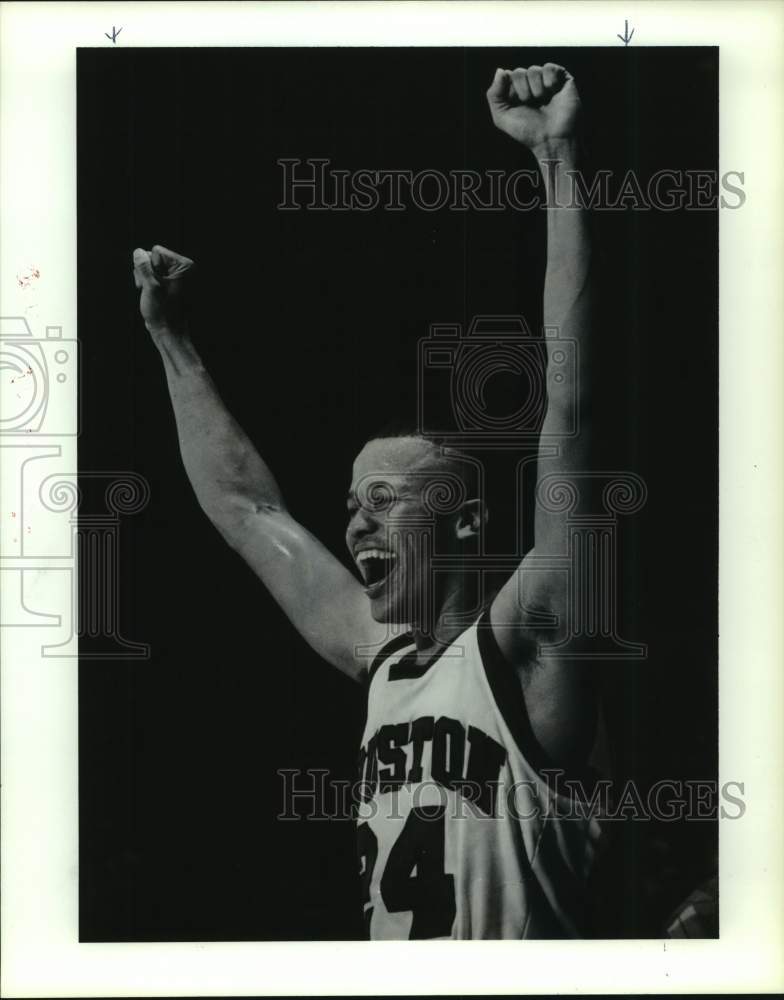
(374, 554)
(375, 565)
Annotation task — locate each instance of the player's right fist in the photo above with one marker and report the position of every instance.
(159, 274)
(536, 106)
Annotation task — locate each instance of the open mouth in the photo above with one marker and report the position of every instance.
(376, 566)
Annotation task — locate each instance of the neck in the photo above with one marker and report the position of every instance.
(455, 613)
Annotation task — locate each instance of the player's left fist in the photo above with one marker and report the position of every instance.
(159, 275)
(536, 106)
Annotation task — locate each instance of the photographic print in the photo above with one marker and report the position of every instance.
(419, 331)
(389, 479)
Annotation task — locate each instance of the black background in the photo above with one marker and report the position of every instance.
(309, 324)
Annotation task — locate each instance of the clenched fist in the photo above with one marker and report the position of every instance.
(536, 106)
(159, 274)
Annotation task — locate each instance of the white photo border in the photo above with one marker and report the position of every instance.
(42, 956)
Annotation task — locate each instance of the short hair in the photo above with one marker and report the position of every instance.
(468, 467)
(402, 427)
(481, 475)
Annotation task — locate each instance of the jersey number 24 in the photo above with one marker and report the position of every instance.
(414, 878)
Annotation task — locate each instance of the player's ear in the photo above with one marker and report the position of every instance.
(471, 518)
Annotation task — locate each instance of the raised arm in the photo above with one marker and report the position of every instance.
(237, 491)
(540, 108)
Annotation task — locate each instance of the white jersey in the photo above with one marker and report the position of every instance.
(462, 830)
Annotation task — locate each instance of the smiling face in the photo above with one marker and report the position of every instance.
(394, 526)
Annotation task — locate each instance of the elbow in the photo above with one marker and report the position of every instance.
(233, 516)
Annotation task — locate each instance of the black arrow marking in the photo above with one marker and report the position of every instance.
(625, 37)
(113, 37)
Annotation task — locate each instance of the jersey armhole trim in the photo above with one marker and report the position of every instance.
(508, 695)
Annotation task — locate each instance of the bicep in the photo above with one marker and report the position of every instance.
(532, 614)
(321, 598)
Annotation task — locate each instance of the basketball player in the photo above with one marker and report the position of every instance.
(460, 831)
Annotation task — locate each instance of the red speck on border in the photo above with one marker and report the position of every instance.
(26, 276)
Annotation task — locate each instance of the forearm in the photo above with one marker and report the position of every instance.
(568, 286)
(229, 477)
